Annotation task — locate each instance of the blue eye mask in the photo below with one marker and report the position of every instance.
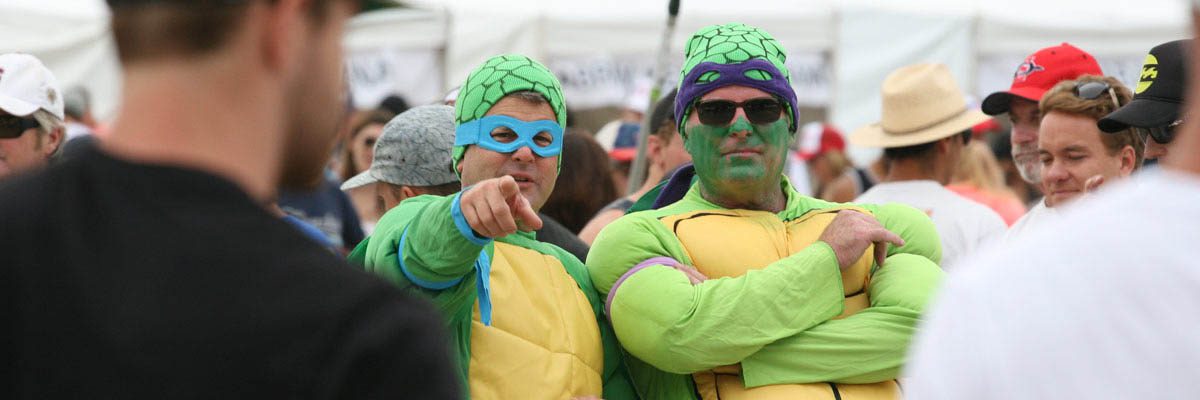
(479, 132)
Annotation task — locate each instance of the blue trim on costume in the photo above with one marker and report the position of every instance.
(479, 132)
(483, 286)
(460, 222)
(418, 281)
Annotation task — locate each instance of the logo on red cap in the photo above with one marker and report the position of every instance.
(1027, 68)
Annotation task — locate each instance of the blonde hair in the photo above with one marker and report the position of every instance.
(47, 124)
(837, 161)
(978, 167)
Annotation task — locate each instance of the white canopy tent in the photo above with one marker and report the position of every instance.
(840, 50)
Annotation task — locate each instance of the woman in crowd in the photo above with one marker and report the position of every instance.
(356, 155)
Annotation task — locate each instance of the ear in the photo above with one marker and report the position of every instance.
(281, 36)
(1128, 160)
(654, 147)
(52, 141)
(406, 192)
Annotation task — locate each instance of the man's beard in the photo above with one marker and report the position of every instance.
(1025, 157)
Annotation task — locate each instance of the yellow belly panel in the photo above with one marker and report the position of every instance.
(544, 342)
(727, 243)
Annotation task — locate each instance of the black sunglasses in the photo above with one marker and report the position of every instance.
(720, 112)
(1092, 90)
(966, 136)
(1160, 134)
(12, 126)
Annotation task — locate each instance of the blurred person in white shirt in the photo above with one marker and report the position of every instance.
(1108, 312)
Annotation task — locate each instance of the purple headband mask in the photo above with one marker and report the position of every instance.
(733, 74)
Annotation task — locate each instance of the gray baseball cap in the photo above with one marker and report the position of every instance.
(414, 150)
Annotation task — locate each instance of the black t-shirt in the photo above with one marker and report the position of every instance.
(123, 280)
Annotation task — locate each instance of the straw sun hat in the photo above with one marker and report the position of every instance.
(921, 104)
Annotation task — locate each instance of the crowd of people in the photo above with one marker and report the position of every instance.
(239, 231)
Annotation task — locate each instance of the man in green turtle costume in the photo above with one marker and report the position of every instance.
(526, 319)
(744, 288)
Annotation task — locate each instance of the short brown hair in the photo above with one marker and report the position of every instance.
(662, 118)
(1062, 98)
(148, 30)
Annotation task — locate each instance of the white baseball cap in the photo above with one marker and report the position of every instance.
(26, 85)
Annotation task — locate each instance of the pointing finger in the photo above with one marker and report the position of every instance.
(525, 213)
(500, 210)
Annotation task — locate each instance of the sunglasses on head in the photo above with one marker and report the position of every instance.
(720, 112)
(1092, 90)
(12, 126)
(1160, 134)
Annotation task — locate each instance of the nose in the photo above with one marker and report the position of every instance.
(523, 154)
(1055, 172)
(741, 125)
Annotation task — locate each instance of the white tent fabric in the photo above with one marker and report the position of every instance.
(72, 38)
(424, 49)
(549, 30)
(874, 40)
(395, 52)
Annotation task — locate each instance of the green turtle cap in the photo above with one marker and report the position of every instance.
(731, 44)
(500, 76)
(728, 44)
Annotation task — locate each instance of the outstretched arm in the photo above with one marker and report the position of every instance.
(433, 242)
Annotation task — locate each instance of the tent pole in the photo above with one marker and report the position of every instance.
(638, 170)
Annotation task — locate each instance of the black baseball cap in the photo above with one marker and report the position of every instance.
(1159, 93)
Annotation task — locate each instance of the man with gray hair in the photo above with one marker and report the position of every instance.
(31, 114)
(412, 157)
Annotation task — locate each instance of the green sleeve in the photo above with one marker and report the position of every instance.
(443, 255)
(435, 254)
(919, 234)
(866, 347)
(870, 345)
(664, 320)
(358, 256)
(434, 251)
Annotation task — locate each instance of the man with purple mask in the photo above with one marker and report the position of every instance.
(806, 297)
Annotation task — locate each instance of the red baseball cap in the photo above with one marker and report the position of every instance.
(1040, 72)
(818, 138)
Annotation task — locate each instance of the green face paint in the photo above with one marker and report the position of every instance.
(726, 174)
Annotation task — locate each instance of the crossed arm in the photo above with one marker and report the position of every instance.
(775, 321)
